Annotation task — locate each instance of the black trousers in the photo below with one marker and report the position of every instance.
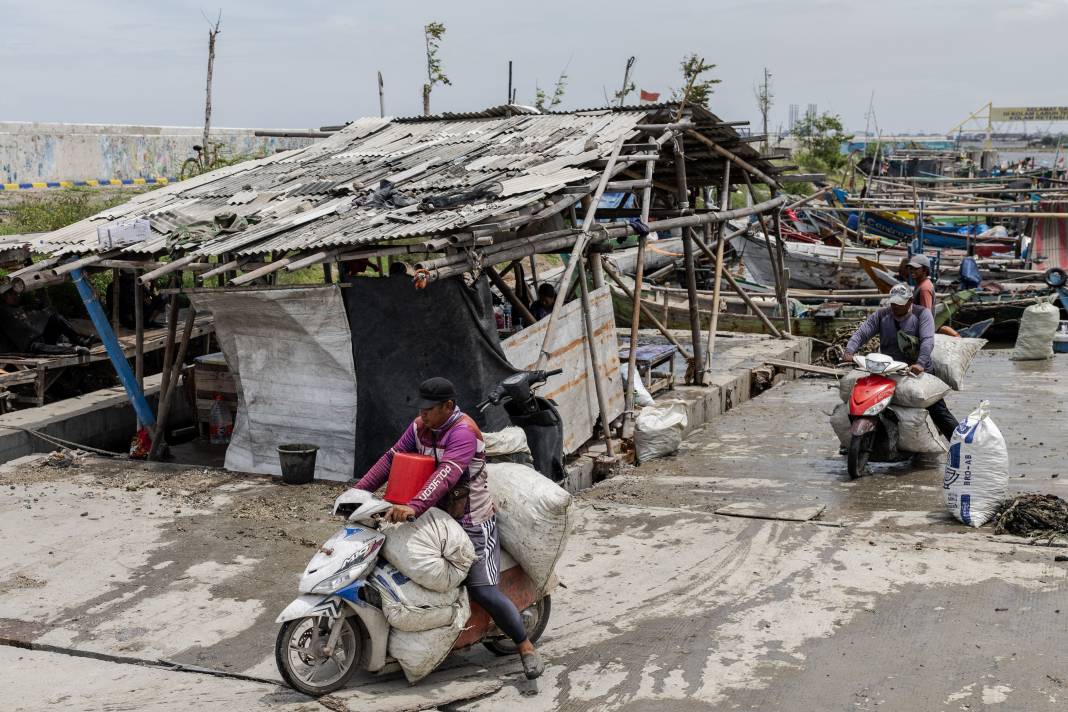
(943, 419)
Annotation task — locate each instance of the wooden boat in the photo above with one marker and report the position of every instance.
(812, 266)
(671, 307)
(1005, 309)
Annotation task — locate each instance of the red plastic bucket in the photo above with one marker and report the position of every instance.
(407, 475)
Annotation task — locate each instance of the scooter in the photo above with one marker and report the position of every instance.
(537, 416)
(873, 427)
(337, 626)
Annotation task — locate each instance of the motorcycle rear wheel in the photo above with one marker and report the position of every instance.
(535, 620)
(300, 663)
(859, 451)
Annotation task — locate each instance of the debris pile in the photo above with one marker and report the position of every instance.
(1038, 516)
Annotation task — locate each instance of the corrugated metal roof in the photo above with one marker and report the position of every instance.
(317, 196)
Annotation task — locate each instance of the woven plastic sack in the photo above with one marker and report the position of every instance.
(510, 441)
(642, 396)
(534, 517)
(407, 605)
(840, 422)
(951, 358)
(658, 430)
(916, 432)
(920, 391)
(419, 653)
(434, 550)
(977, 468)
(1037, 329)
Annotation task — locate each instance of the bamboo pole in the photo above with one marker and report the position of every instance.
(688, 261)
(785, 278)
(168, 348)
(741, 290)
(595, 361)
(508, 294)
(165, 397)
(734, 158)
(635, 318)
(713, 321)
(618, 279)
(576, 253)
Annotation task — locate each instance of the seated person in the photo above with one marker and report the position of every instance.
(543, 305)
(38, 330)
(151, 302)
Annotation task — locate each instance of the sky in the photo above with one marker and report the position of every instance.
(307, 64)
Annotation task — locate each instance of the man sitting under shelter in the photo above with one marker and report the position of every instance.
(906, 333)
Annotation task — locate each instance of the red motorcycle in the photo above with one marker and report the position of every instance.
(873, 427)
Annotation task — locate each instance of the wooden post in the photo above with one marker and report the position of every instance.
(741, 291)
(713, 321)
(381, 96)
(691, 275)
(168, 350)
(595, 361)
(213, 32)
(642, 309)
(166, 396)
(139, 335)
(596, 270)
(328, 273)
(508, 294)
(636, 299)
(784, 279)
(115, 300)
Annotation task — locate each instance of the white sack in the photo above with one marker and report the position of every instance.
(916, 432)
(1037, 329)
(977, 468)
(434, 550)
(951, 358)
(658, 430)
(419, 653)
(534, 516)
(510, 441)
(407, 605)
(840, 422)
(642, 396)
(920, 391)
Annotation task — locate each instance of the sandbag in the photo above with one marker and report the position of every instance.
(642, 396)
(534, 517)
(658, 430)
(951, 358)
(916, 432)
(434, 550)
(920, 391)
(1037, 329)
(977, 468)
(510, 441)
(841, 423)
(420, 652)
(407, 605)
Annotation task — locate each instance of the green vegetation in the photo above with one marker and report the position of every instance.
(821, 138)
(543, 101)
(56, 209)
(435, 72)
(697, 90)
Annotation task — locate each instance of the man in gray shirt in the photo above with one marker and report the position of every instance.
(906, 333)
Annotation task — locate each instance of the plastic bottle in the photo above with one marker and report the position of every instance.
(507, 317)
(220, 422)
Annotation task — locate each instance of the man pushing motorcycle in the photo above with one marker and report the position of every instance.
(906, 333)
(458, 486)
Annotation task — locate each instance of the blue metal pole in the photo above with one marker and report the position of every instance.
(118, 358)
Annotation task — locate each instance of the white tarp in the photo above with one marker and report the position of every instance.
(573, 390)
(290, 351)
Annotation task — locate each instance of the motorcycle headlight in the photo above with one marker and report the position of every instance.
(346, 576)
(879, 407)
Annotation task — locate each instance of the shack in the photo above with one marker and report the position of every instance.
(463, 202)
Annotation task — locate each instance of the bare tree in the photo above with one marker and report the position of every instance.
(213, 32)
(765, 98)
(628, 85)
(435, 73)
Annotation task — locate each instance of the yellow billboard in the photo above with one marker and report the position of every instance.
(1029, 113)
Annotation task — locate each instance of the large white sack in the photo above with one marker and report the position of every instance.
(409, 606)
(952, 356)
(977, 468)
(1037, 329)
(916, 432)
(434, 550)
(658, 430)
(534, 516)
(841, 423)
(419, 653)
(920, 391)
(510, 441)
(642, 396)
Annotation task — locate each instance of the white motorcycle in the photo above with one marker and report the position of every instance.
(336, 625)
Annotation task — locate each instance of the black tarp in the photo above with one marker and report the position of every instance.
(402, 336)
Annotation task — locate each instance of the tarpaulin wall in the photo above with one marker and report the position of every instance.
(402, 336)
(1050, 245)
(291, 355)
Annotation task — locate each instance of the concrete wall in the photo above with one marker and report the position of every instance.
(37, 152)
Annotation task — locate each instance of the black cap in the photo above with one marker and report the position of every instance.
(435, 390)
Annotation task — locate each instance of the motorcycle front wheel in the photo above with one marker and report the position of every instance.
(859, 451)
(535, 620)
(302, 661)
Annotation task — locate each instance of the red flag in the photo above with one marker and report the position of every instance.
(649, 97)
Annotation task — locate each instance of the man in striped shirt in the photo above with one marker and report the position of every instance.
(459, 486)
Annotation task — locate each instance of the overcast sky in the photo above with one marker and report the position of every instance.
(305, 64)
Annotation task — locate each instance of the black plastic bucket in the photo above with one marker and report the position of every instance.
(298, 463)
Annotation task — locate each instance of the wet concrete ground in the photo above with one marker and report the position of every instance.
(885, 603)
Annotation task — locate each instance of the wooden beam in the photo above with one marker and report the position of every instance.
(744, 165)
